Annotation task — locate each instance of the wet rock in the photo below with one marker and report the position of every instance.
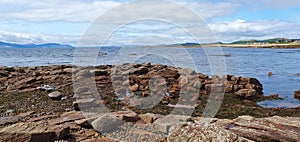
(297, 94)
(34, 131)
(248, 93)
(274, 96)
(55, 95)
(107, 123)
(270, 74)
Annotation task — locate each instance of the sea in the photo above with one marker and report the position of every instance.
(247, 62)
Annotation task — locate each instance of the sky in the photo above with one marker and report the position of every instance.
(66, 21)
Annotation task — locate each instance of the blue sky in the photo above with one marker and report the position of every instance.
(65, 21)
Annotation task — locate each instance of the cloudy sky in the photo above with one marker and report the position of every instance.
(65, 21)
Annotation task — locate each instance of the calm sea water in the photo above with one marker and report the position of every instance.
(250, 62)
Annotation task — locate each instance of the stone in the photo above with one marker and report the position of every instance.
(248, 93)
(27, 90)
(107, 123)
(55, 95)
(9, 120)
(270, 74)
(68, 70)
(34, 131)
(4, 73)
(82, 103)
(55, 72)
(202, 132)
(100, 72)
(128, 116)
(267, 129)
(149, 118)
(25, 81)
(169, 123)
(297, 94)
(68, 117)
(140, 71)
(46, 87)
(274, 96)
(100, 140)
(134, 88)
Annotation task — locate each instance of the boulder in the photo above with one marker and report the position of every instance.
(107, 123)
(34, 131)
(297, 94)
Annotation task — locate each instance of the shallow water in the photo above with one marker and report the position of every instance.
(250, 62)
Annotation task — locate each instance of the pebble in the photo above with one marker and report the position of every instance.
(55, 95)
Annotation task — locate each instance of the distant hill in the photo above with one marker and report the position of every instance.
(48, 45)
(267, 41)
(184, 44)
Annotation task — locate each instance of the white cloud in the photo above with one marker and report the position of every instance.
(269, 3)
(55, 10)
(25, 38)
(241, 29)
(87, 11)
(224, 31)
(211, 10)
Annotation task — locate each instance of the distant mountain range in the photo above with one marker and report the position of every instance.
(56, 45)
(48, 45)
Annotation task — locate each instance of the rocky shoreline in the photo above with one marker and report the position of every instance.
(57, 102)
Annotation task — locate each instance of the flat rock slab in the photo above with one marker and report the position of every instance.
(243, 128)
(32, 131)
(14, 119)
(169, 123)
(107, 123)
(68, 117)
(267, 129)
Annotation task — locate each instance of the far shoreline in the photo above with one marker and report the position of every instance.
(270, 45)
(231, 45)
